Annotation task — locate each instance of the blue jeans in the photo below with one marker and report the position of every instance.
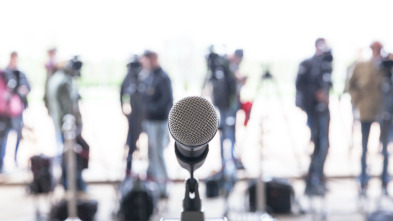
(228, 134)
(366, 127)
(2, 149)
(318, 122)
(17, 125)
(158, 140)
(4, 127)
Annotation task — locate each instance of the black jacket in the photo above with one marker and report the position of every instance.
(158, 98)
(314, 75)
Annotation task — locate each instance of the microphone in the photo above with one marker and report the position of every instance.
(192, 122)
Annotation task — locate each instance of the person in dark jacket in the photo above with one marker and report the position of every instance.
(158, 101)
(18, 83)
(133, 89)
(313, 83)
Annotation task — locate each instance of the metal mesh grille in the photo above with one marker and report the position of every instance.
(193, 121)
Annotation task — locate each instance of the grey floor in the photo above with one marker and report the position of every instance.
(341, 203)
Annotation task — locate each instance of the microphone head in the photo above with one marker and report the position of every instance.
(193, 121)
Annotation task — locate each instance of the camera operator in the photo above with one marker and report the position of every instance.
(226, 84)
(63, 97)
(365, 87)
(133, 88)
(313, 83)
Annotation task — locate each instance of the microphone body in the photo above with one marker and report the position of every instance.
(192, 122)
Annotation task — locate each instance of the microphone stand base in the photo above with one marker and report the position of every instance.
(192, 216)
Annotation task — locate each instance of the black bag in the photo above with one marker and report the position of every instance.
(43, 181)
(380, 215)
(213, 185)
(86, 210)
(138, 200)
(279, 195)
(83, 155)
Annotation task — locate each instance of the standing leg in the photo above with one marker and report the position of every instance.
(152, 148)
(2, 150)
(324, 122)
(18, 128)
(3, 146)
(366, 126)
(163, 141)
(385, 132)
(133, 135)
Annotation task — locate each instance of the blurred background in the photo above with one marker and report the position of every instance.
(275, 36)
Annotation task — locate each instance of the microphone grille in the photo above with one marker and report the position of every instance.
(193, 121)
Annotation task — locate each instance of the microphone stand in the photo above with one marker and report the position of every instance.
(192, 205)
(69, 137)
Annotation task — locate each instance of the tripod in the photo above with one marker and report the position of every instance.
(270, 87)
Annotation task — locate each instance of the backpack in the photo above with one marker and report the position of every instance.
(86, 210)
(139, 200)
(10, 103)
(43, 181)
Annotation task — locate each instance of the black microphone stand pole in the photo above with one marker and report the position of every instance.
(192, 205)
(69, 137)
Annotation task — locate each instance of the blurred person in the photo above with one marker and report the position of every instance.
(4, 123)
(365, 90)
(313, 83)
(50, 67)
(18, 83)
(226, 83)
(63, 98)
(133, 88)
(157, 100)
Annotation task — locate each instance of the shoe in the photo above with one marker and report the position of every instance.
(164, 195)
(239, 165)
(315, 190)
(363, 192)
(385, 191)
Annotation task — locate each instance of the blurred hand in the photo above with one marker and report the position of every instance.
(23, 90)
(322, 96)
(126, 109)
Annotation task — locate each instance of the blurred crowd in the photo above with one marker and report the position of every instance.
(146, 98)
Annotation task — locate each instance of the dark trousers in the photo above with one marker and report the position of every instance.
(134, 130)
(318, 122)
(385, 129)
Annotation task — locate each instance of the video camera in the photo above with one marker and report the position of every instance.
(134, 65)
(216, 64)
(387, 65)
